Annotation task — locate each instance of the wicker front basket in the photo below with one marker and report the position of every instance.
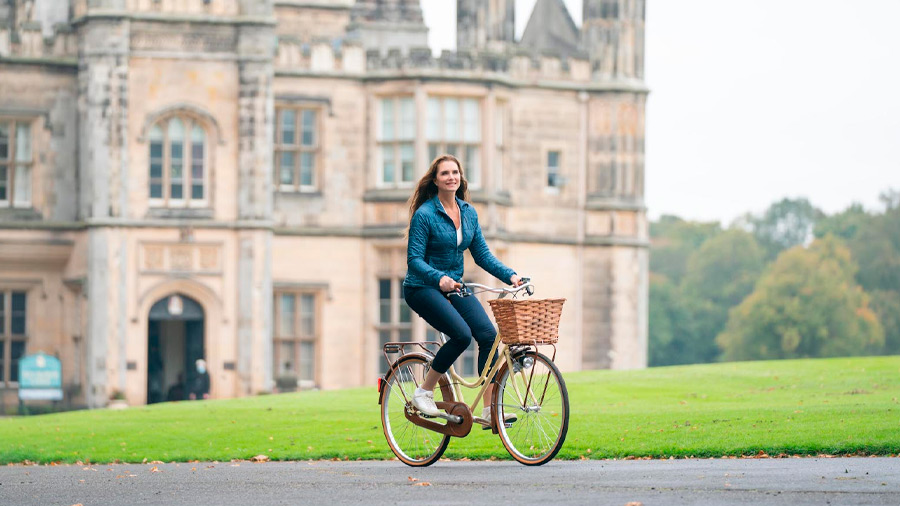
(533, 321)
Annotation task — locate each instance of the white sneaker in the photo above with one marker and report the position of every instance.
(423, 400)
(485, 418)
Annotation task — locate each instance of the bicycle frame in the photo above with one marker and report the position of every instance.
(457, 381)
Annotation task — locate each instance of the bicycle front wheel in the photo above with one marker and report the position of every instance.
(412, 444)
(536, 394)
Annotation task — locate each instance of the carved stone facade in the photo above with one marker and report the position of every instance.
(255, 157)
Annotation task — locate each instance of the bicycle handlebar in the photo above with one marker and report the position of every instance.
(466, 289)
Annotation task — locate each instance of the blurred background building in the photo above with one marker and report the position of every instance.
(227, 179)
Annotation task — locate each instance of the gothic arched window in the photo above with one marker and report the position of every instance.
(178, 163)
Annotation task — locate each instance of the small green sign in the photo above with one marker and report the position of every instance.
(40, 377)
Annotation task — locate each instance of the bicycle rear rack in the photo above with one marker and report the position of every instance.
(400, 347)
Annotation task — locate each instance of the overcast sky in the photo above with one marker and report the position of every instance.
(755, 100)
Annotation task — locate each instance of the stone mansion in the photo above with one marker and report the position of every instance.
(227, 180)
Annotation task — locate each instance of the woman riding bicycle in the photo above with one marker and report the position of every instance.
(443, 224)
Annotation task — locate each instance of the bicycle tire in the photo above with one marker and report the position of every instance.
(414, 445)
(535, 437)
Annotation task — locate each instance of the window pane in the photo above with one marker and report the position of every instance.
(18, 349)
(407, 118)
(3, 182)
(286, 167)
(156, 159)
(384, 300)
(473, 165)
(307, 166)
(176, 154)
(384, 288)
(197, 191)
(407, 154)
(432, 152)
(387, 119)
(156, 162)
(286, 354)
(22, 191)
(2, 321)
(4, 141)
(404, 335)
(309, 128)
(451, 119)
(18, 313)
(387, 163)
(405, 314)
(198, 139)
(23, 143)
(288, 126)
(2, 362)
(286, 326)
(452, 150)
(307, 315)
(307, 369)
(472, 118)
(433, 120)
(553, 159)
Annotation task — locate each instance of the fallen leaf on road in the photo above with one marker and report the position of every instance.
(155, 469)
(410, 478)
(634, 503)
(193, 469)
(422, 484)
(157, 462)
(260, 458)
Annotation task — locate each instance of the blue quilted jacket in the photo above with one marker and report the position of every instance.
(432, 251)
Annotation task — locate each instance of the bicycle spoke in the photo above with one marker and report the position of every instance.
(413, 444)
(541, 426)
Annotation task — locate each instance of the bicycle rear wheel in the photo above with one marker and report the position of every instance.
(537, 395)
(412, 444)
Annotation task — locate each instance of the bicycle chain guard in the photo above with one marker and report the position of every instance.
(451, 429)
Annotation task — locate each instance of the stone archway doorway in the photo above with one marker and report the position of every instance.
(174, 343)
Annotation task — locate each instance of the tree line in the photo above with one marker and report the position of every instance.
(791, 282)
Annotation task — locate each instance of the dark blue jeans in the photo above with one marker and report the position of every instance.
(460, 318)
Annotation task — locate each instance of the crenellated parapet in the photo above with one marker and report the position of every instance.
(351, 59)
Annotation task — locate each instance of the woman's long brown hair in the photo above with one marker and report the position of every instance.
(426, 189)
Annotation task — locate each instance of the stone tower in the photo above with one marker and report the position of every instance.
(487, 25)
(613, 34)
(394, 24)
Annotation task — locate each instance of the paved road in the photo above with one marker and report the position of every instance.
(792, 482)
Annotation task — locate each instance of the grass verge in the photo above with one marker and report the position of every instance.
(796, 407)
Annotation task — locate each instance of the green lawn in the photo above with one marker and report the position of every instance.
(833, 406)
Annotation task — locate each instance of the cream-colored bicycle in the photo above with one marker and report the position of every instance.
(528, 385)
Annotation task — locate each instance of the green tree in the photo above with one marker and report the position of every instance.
(785, 224)
(724, 269)
(845, 225)
(719, 275)
(807, 304)
(672, 242)
(671, 334)
(886, 304)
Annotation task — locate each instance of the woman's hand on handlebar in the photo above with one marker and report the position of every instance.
(447, 285)
(515, 280)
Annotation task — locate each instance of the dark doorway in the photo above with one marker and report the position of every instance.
(174, 343)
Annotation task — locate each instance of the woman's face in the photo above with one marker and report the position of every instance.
(448, 176)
